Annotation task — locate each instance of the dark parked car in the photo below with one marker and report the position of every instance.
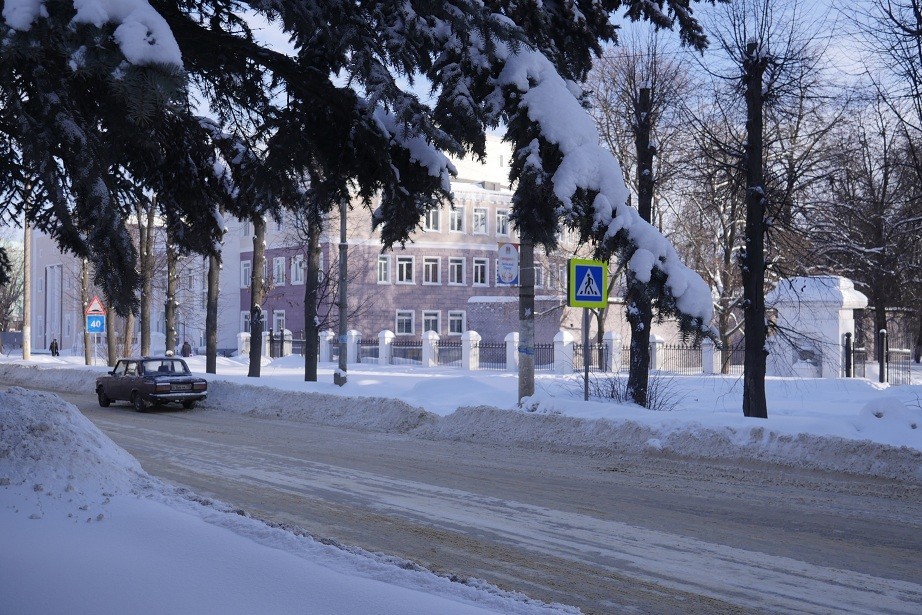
(151, 380)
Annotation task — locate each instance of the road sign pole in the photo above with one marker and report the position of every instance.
(585, 354)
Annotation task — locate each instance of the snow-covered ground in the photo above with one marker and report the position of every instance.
(83, 529)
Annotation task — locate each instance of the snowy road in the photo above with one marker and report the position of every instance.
(645, 534)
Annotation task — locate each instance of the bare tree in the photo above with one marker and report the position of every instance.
(11, 293)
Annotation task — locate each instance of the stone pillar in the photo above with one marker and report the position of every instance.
(563, 352)
(326, 340)
(656, 351)
(385, 340)
(352, 346)
(243, 343)
(512, 352)
(470, 350)
(430, 349)
(613, 341)
(708, 357)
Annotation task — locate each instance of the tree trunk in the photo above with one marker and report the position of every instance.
(211, 315)
(128, 337)
(311, 285)
(146, 243)
(753, 260)
(257, 295)
(27, 292)
(339, 377)
(85, 301)
(526, 318)
(111, 341)
(170, 307)
(640, 308)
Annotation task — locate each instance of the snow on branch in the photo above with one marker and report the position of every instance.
(549, 102)
(420, 150)
(143, 36)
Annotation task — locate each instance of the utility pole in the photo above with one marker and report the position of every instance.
(752, 261)
(85, 301)
(526, 318)
(339, 376)
(211, 314)
(27, 291)
(171, 303)
(257, 294)
(640, 308)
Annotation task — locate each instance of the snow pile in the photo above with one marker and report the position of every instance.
(46, 445)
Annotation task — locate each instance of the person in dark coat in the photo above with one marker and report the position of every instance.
(186, 349)
(54, 347)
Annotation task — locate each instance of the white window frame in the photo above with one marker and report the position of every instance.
(405, 264)
(539, 276)
(432, 220)
(385, 260)
(429, 315)
(485, 262)
(480, 229)
(245, 321)
(461, 277)
(432, 264)
(412, 318)
(502, 222)
(456, 219)
(278, 271)
(278, 316)
(246, 228)
(298, 267)
(246, 273)
(454, 316)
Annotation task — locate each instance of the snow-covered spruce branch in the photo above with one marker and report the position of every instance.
(584, 165)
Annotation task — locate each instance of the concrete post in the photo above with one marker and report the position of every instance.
(326, 339)
(656, 351)
(243, 343)
(708, 365)
(352, 346)
(385, 340)
(512, 352)
(470, 350)
(563, 352)
(612, 342)
(430, 349)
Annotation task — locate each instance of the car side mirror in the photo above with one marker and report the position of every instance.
(112, 373)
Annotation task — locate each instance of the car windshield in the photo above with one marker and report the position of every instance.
(165, 366)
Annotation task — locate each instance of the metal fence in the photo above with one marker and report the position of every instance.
(732, 359)
(492, 355)
(681, 358)
(598, 357)
(406, 352)
(368, 350)
(544, 356)
(899, 366)
(448, 353)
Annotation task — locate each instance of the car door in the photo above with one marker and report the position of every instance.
(112, 384)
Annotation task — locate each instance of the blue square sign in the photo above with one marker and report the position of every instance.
(96, 323)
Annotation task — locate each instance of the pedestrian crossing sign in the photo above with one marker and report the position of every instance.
(587, 283)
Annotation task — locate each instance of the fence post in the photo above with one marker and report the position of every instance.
(563, 352)
(849, 370)
(352, 346)
(470, 350)
(326, 339)
(707, 357)
(430, 349)
(512, 352)
(243, 343)
(385, 339)
(656, 351)
(612, 343)
(882, 355)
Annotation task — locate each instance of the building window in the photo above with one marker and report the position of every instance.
(245, 274)
(539, 276)
(245, 322)
(480, 271)
(384, 269)
(41, 285)
(246, 228)
(297, 269)
(68, 325)
(431, 320)
(431, 220)
(432, 270)
(456, 322)
(456, 271)
(456, 220)
(404, 322)
(278, 320)
(479, 225)
(502, 221)
(405, 270)
(278, 271)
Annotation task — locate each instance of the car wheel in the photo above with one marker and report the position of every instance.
(138, 402)
(189, 405)
(104, 400)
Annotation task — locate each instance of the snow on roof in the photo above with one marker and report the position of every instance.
(821, 289)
